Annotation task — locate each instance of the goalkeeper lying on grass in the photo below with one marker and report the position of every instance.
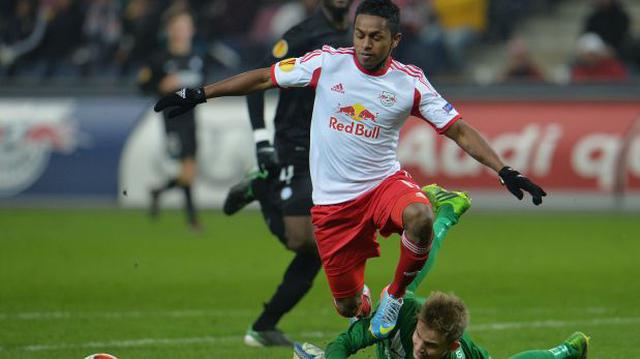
(433, 328)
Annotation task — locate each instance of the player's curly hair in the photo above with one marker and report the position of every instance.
(383, 8)
(445, 313)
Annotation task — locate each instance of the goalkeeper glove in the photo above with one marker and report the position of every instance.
(183, 100)
(267, 156)
(516, 182)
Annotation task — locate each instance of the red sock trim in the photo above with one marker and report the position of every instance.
(412, 259)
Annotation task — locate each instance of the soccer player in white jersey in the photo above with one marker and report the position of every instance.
(362, 99)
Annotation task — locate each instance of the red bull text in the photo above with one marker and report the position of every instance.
(354, 128)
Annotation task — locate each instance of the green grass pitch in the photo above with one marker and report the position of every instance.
(76, 282)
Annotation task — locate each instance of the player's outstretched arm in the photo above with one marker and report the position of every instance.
(470, 140)
(243, 84)
(355, 338)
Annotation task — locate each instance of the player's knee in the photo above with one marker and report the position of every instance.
(348, 307)
(299, 244)
(300, 239)
(418, 220)
(185, 180)
(187, 172)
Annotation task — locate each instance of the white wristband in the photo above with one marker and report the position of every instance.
(261, 134)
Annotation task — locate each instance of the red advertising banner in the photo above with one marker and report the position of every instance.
(568, 146)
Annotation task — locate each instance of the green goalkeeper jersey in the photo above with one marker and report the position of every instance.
(399, 344)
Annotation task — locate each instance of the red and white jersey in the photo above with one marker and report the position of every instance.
(357, 116)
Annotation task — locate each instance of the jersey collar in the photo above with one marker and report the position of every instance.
(381, 71)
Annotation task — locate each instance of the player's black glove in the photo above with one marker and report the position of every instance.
(183, 100)
(267, 157)
(516, 182)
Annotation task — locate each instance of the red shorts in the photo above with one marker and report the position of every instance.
(346, 232)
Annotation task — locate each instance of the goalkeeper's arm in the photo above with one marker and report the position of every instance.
(355, 338)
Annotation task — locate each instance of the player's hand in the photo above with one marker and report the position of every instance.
(267, 156)
(516, 183)
(183, 100)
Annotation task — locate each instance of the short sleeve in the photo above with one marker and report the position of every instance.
(298, 71)
(431, 107)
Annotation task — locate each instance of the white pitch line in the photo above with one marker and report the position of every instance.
(65, 315)
(124, 315)
(232, 338)
(149, 341)
(555, 323)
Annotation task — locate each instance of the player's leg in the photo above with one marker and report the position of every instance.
(289, 220)
(186, 179)
(346, 238)
(299, 234)
(350, 295)
(416, 241)
(410, 215)
(155, 194)
(575, 347)
(295, 202)
(173, 148)
(448, 206)
(188, 171)
(296, 282)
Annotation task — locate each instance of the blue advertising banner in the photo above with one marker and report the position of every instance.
(54, 147)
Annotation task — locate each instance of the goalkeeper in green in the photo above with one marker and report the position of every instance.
(433, 328)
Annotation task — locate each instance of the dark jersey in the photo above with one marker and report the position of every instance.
(190, 70)
(293, 114)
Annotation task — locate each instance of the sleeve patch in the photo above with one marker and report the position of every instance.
(280, 49)
(448, 108)
(287, 65)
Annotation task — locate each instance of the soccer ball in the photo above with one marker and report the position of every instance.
(101, 356)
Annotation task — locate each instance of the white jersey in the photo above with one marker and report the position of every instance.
(357, 116)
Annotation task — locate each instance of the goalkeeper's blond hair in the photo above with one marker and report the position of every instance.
(445, 313)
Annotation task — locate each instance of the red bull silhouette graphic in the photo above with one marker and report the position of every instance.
(367, 115)
(347, 110)
(357, 112)
(59, 136)
(29, 135)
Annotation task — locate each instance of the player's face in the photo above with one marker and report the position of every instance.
(373, 41)
(428, 343)
(181, 29)
(338, 5)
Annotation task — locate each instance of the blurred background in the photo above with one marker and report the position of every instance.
(102, 43)
(554, 84)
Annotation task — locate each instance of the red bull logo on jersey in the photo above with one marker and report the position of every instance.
(359, 114)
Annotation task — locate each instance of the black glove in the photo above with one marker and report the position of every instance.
(183, 100)
(516, 182)
(267, 157)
